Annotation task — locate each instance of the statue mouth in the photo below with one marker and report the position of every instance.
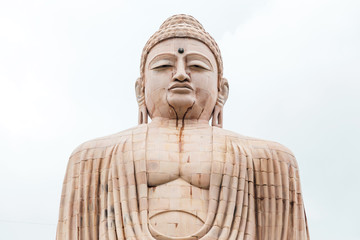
(181, 88)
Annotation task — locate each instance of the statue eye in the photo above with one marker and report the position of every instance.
(162, 66)
(199, 65)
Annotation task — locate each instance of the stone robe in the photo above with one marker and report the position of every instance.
(254, 190)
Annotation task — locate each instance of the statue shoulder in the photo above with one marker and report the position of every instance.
(260, 148)
(100, 144)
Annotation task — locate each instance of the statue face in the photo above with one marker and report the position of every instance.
(181, 80)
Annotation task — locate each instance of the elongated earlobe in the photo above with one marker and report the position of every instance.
(223, 93)
(140, 97)
(217, 118)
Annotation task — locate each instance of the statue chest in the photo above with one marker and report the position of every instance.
(194, 168)
(172, 154)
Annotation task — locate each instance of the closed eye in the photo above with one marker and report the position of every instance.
(162, 66)
(197, 66)
(199, 62)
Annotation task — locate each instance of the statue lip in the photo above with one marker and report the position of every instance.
(181, 86)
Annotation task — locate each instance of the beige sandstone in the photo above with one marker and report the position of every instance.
(177, 177)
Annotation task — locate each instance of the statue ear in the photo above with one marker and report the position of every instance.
(140, 97)
(223, 93)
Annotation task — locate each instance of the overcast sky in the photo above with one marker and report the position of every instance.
(67, 75)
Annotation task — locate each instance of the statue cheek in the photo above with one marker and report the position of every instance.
(206, 100)
(156, 102)
(206, 96)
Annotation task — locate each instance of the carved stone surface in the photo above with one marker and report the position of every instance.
(177, 177)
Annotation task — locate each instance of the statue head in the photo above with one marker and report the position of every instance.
(181, 74)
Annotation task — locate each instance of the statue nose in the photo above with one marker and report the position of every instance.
(180, 74)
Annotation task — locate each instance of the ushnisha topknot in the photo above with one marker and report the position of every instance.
(182, 26)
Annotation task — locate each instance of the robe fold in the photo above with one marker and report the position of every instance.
(254, 191)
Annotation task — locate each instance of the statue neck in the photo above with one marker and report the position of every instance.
(174, 123)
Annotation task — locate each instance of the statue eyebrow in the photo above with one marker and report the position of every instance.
(201, 57)
(166, 56)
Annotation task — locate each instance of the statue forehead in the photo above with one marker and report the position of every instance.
(189, 45)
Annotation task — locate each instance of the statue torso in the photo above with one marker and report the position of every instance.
(178, 169)
(180, 199)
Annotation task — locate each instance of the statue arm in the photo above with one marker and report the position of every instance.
(67, 213)
(280, 212)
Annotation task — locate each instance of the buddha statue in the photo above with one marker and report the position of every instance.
(179, 177)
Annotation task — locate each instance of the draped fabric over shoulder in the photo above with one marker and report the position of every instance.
(254, 191)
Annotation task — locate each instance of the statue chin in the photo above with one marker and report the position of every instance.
(180, 103)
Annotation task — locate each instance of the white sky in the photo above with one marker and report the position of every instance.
(67, 75)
